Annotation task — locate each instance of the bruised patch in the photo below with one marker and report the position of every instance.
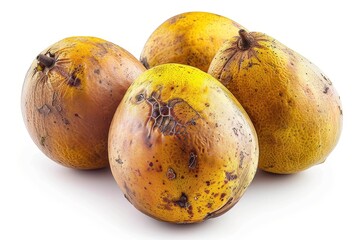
(172, 117)
(45, 110)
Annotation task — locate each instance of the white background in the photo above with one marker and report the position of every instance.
(42, 200)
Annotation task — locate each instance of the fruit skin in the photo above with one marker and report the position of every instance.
(69, 96)
(190, 38)
(294, 107)
(199, 156)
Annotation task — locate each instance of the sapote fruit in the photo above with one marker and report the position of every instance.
(181, 147)
(190, 38)
(293, 105)
(70, 95)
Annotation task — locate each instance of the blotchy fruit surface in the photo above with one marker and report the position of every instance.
(181, 148)
(191, 38)
(70, 95)
(293, 105)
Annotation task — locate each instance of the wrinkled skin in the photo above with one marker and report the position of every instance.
(191, 38)
(70, 95)
(181, 148)
(294, 107)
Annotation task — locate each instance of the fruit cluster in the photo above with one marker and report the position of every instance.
(184, 128)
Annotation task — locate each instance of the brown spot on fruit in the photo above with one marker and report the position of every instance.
(192, 160)
(42, 141)
(326, 89)
(230, 176)
(222, 195)
(139, 98)
(119, 161)
(170, 174)
(182, 201)
(235, 131)
(242, 156)
(73, 81)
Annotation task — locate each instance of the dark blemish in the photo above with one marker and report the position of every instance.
(76, 115)
(326, 89)
(42, 141)
(209, 205)
(242, 156)
(235, 131)
(100, 81)
(222, 195)
(207, 183)
(190, 211)
(196, 175)
(182, 177)
(170, 174)
(207, 191)
(130, 143)
(281, 94)
(66, 121)
(97, 71)
(73, 81)
(149, 183)
(139, 98)
(326, 79)
(192, 160)
(119, 161)
(216, 124)
(151, 164)
(145, 62)
(44, 109)
(230, 176)
(341, 112)
(215, 195)
(207, 105)
(182, 201)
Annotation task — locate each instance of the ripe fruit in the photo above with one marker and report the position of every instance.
(293, 105)
(181, 148)
(190, 38)
(70, 94)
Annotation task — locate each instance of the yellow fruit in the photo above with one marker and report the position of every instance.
(181, 148)
(70, 95)
(292, 104)
(190, 38)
